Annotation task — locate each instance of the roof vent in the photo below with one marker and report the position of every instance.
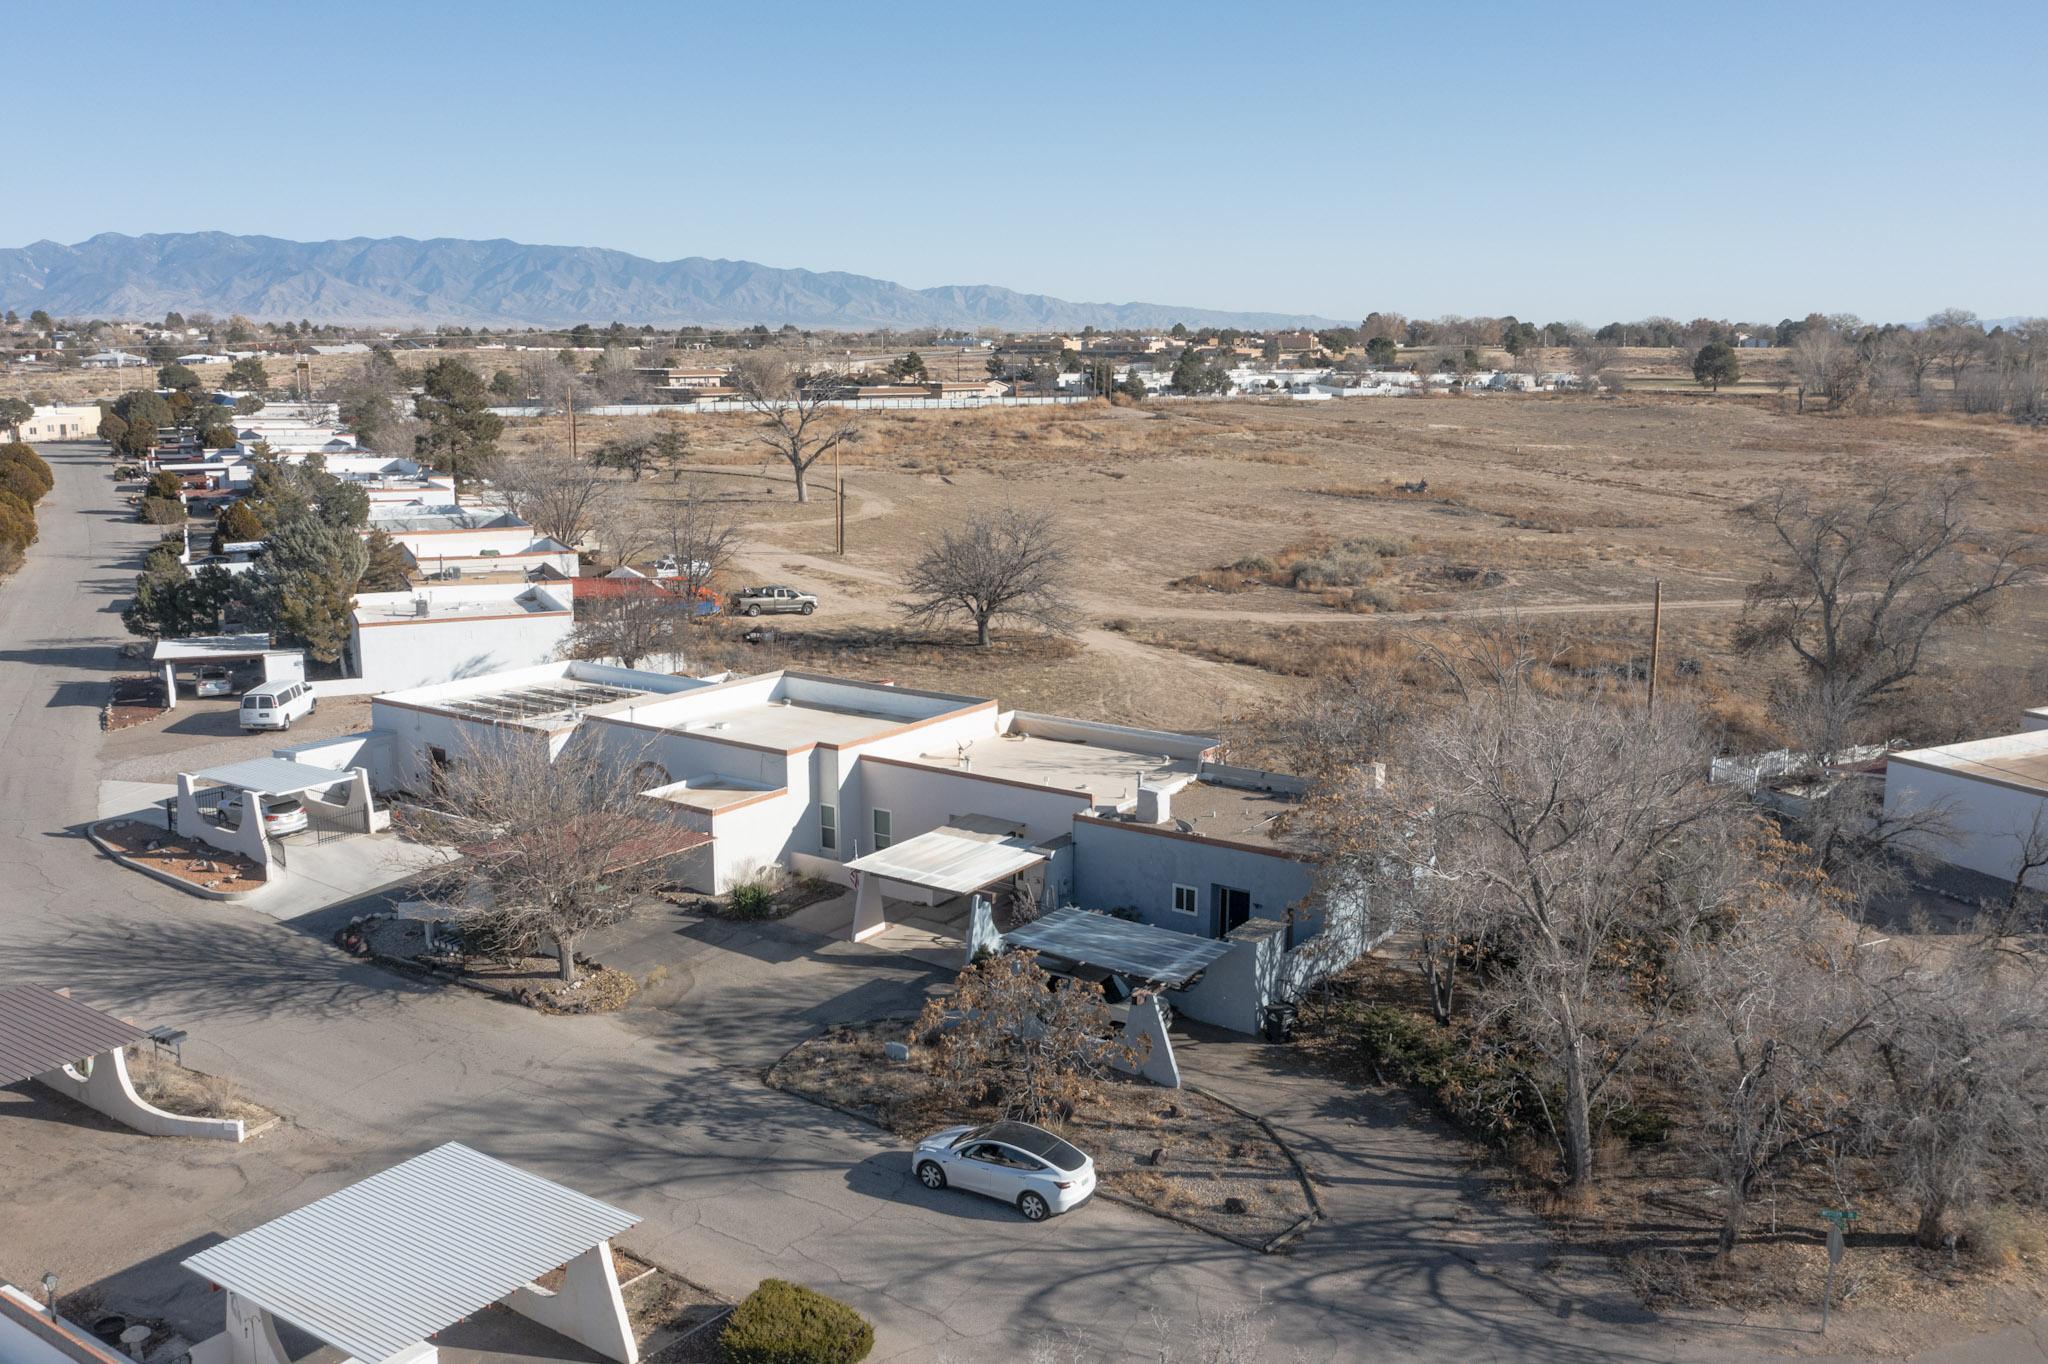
(422, 606)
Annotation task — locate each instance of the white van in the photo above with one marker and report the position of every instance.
(274, 705)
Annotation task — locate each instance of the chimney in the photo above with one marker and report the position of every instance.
(1155, 804)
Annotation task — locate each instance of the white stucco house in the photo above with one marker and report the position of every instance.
(440, 633)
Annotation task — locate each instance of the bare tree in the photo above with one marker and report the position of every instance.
(1961, 1083)
(549, 380)
(1582, 835)
(559, 497)
(1781, 996)
(552, 848)
(1592, 359)
(639, 621)
(628, 530)
(800, 418)
(1958, 337)
(1011, 1035)
(1826, 364)
(1865, 585)
(1008, 565)
(698, 534)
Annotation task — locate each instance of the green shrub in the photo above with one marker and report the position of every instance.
(21, 481)
(750, 900)
(785, 1323)
(162, 511)
(17, 524)
(163, 484)
(24, 455)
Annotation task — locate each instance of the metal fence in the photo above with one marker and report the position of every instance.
(728, 405)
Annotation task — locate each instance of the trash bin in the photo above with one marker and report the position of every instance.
(1279, 1022)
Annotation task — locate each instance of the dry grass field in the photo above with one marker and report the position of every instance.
(1226, 551)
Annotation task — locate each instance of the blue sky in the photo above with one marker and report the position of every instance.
(1553, 160)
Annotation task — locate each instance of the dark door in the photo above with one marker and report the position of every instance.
(1233, 907)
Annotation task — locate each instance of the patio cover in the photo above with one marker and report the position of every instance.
(1159, 955)
(275, 776)
(953, 859)
(41, 1030)
(384, 1264)
(212, 648)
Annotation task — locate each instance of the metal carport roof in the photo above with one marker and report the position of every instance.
(213, 648)
(274, 776)
(1156, 954)
(950, 859)
(384, 1264)
(41, 1030)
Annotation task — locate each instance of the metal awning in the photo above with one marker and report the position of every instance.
(382, 1265)
(41, 1030)
(1082, 936)
(274, 776)
(212, 648)
(954, 859)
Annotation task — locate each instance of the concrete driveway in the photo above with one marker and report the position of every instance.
(661, 1109)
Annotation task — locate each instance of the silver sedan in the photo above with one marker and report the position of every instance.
(1036, 1171)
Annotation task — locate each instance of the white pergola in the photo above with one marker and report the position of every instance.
(961, 858)
(375, 1270)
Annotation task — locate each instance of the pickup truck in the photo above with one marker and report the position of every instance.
(770, 601)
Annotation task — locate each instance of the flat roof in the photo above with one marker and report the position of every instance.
(274, 776)
(385, 1263)
(953, 859)
(786, 710)
(202, 648)
(1234, 813)
(1087, 938)
(2015, 760)
(405, 516)
(445, 605)
(539, 703)
(713, 792)
(41, 1030)
(1109, 775)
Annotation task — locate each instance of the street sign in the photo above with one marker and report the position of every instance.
(1837, 1218)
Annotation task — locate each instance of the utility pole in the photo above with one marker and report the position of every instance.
(1656, 642)
(839, 500)
(572, 421)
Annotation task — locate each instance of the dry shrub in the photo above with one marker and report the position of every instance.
(2001, 1235)
(1663, 1278)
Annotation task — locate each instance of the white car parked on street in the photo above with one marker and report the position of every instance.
(1028, 1167)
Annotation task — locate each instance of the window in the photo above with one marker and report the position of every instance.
(828, 828)
(882, 838)
(1184, 899)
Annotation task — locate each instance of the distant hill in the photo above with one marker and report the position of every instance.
(397, 280)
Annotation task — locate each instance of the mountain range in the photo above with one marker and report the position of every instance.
(458, 282)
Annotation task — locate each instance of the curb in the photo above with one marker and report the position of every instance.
(1308, 1187)
(92, 832)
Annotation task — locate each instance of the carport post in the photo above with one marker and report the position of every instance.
(170, 686)
(867, 908)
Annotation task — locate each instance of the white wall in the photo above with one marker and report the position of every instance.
(1987, 820)
(394, 655)
(920, 799)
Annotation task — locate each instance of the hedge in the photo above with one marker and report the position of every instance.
(785, 1323)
